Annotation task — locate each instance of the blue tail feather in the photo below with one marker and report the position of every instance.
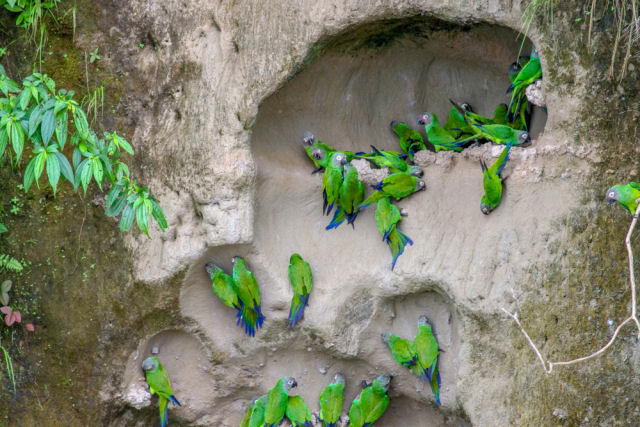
(334, 222)
(404, 239)
(295, 313)
(174, 400)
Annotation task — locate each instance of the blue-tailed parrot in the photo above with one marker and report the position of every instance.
(301, 281)
(249, 295)
(492, 182)
(627, 195)
(159, 384)
(277, 400)
(331, 400)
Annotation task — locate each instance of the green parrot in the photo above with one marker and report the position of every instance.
(492, 182)
(392, 160)
(298, 412)
(404, 353)
(514, 69)
(254, 413)
(387, 218)
(529, 73)
(331, 399)
(398, 186)
(332, 180)
(356, 418)
(410, 139)
(301, 281)
(626, 195)
(503, 134)
(320, 153)
(427, 350)
(257, 412)
(249, 294)
(224, 287)
(374, 400)
(351, 194)
(277, 400)
(435, 384)
(159, 384)
(441, 138)
(500, 115)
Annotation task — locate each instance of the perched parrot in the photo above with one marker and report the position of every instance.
(256, 406)
(356, 417)
(224, 286)
(404, 353)
(159, 384)
(410, 139)
(338, 218)
(392, 160)
(441, 138)
(397, 241)
(298, 412)
(626, 195)
(351, 193)
(301, 281)
(529, 73)
(374, 400)
(492, 182)
(319, 152)
(332, 180)
(249, 295)
(504, 135)
(398, 186)
(427, 350)
(387, 216)
(500, 115)
(257, 412)
(331, 399)
(277, 399)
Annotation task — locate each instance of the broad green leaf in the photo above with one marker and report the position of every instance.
(40, 160)
(3, 229)
(53, 172)
(77, 156)
(80, 120)
(17, 139)
(77, 180)
(28, 174)
(113, 193)
(35, 119)
(98, 172)
(4, 138)
(59, 106)
(48, 126)
(158, 214)
(122, 169)
(86, 175)
(61, 128)
(127, 218)
(34, 93)
(142, 218)
(24, 98)
(65, 167)
(116, 206)
(125, 145)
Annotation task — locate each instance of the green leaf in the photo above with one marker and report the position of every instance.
(4, 138)
(77, 156)
(98, 172)
(127, 218)
(59, 106)
(80, 120)
(48, 126)
(116, 206)
(24, 98)
(61, 128)
(17, 138)
(125, 145)
(35, 119)
(3, 229)
(65, 167)
(28, 174)
(53, 172)
(77, 180)
(157, 213)
(40, 160)
(142, 218)
(122, 170)
(113, 193)
(86, 175)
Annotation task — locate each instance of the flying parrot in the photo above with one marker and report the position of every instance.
(298, 412)
(404, 353)
(301, 281)
(249, 295)
(492, 182)
(277, 400)
(626, 195)
(504, 135)
(441, 138)
(374, 400)
(159, 384)
(331, 399)
(332, 180)
(351, 193)
(224, 287)
(398, 186)
(410, 139)
(427, 350)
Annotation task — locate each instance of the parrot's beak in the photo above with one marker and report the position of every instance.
(295, 383)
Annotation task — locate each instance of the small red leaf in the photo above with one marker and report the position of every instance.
(17, 316)
(30, 327)
(8, 320)
(5, 309)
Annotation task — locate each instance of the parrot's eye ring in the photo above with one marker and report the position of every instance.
(612, 194)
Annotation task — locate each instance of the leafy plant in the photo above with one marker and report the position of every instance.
(94, 55)
(9, 263)
(36, 114)
(9, 365)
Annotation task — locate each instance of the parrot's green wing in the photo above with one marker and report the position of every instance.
(331, 399)
(249, 294)
(426, 348)
(301, 281)
(374, 401)
(387, 216)
(634, 185)
(298, 412)
(257, 413)
(397, 242)
(224, 287)
(276, 404)
(398, 185)
(331, 181)
(404, 353)
(356, 417)
(351, 193)
(410, 139)
(498, 166)
(247, 416)
(500, 115)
